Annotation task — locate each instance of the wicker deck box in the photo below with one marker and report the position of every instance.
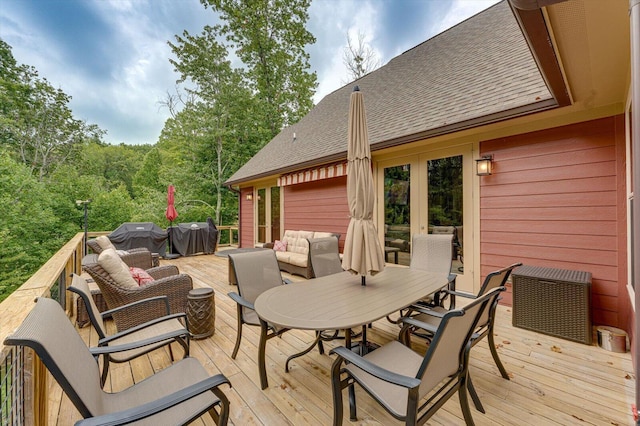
(552, 301)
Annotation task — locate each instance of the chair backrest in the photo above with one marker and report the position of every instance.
(94, 246)
(432, 252)
(81, 288)
(325, 256)
(493, 280)
(445, 356)
(48, 331)
(497, 279)
(256, 272)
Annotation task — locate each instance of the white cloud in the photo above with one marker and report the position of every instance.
(112, 56)
(461, 10)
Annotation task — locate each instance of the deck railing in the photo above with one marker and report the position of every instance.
(23, 387)
(228, 235)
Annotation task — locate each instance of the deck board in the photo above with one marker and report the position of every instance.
(553, 381)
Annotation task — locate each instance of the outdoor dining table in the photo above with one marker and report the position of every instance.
(340, 302)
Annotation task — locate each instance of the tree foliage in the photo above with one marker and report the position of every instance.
(221, 116)
(269, 37)
(36, 119)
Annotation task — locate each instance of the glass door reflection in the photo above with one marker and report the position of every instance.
(397, 214)
(444, 203)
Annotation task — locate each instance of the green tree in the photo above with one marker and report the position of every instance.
(108, 210)
(269, 37)
(217, 128)
(35, 118)
(148, 175)
(117, 164)
(30, 233)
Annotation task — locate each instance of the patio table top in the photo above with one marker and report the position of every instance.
(339, 301)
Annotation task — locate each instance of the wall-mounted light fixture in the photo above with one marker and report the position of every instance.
(249, 197)
(484, 165)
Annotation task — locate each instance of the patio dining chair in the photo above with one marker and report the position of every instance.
(432, 253)
(256, 272)
(430, 318)
(149, 336)
(410, 386)
(178, 394)
(325, 256)
(113, 277)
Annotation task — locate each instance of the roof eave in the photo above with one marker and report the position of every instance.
(439, 131)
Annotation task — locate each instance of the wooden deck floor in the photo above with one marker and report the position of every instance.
(553, 381)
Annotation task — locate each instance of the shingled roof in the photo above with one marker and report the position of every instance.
(477, 72)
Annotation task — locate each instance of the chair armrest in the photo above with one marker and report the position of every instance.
(268, 245)
(164, 271)
(170, 317)
(137, 303)
(376, 371)
(425, 310)
(102, 350)
(462, 294)
(423, 325)
(159, 405)
(241, 301)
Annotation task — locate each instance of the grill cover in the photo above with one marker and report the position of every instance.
(194, 237)
(140, 234)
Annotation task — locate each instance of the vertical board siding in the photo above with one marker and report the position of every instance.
(317, 206)
(553, 200)
(246, 218)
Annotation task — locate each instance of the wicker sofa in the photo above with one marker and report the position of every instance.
(295, 259)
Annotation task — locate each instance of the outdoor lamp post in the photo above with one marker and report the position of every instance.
(85, 203)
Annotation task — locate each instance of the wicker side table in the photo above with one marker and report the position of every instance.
(201, 312)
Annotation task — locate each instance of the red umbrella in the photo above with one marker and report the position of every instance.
(171, 213)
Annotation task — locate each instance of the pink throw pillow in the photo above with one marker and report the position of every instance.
(280, 245)
(141, 276)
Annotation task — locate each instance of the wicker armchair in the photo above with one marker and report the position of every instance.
(139, 258)
(167, 282)
(97, 249)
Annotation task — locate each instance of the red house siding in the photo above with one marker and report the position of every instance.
(556, 199)
(246, 218)
(317, 206)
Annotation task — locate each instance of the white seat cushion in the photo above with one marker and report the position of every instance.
(104, 242)
(299, 259)
(117, 269)
(297, 241)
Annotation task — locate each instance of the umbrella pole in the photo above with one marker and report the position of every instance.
(363, 280)
(170, 232)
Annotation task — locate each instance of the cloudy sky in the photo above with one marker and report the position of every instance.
(112, 56)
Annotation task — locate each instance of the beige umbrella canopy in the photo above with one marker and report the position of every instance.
(362, 252)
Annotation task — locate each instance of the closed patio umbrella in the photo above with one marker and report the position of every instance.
(362, 252)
